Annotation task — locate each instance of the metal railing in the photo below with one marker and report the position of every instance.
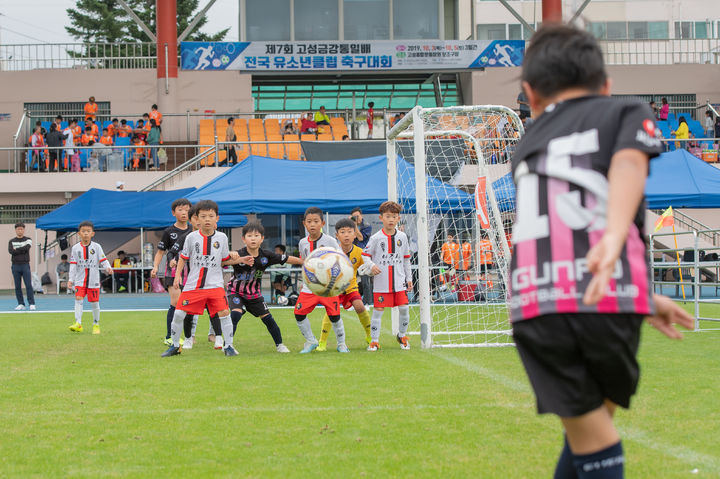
(19, 57)
(661, 52)
(693, 225)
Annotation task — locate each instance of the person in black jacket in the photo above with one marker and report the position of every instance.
(55, 139)
(19, 249)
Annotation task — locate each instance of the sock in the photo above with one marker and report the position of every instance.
(404, 320)
(176, 327)
(565, 469)
(272, 328)
(339, 329)
(169, 319)
(325, 331)
(215, 324)
(78, 310)
(364, 318)
(187, 325)
(305, 328)
(194, 325)
(96, 312)
(606, 464)
(227, 330)
(235, 316)
(375, 323)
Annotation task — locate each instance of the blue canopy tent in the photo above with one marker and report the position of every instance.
(681, 180)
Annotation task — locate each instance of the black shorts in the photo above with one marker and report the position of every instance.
(576, 361)
(256, 306)
(168, 281)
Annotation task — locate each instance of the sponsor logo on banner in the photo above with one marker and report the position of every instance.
(481, 202)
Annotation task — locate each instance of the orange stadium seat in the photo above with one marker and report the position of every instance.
(256, 125)
(293, 149)
(307, 137)
(276, 150)
(325, 137)
(272, 126)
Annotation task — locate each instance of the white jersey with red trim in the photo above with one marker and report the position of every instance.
(306, 246)
(390, 253)
(204, 256)
(85, 262)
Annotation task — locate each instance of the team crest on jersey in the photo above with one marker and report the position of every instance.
(381, 299)
(382, 247)
(263, 260)
(399, 242)
(216, 244)
(649, 127)
(354, 260)
(92, 251)
(299, 306)
(185, 302)
(236, 300)
(197, 248)
(173, 235)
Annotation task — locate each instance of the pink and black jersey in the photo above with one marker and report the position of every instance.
(84, 264)
(560, 168)
(204, 255)
(306, 246)
(247, 280)
(172, 243)
(390, 253)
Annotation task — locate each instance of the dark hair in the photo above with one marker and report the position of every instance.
(253, 227)
(154, 107)
(344, 223)
(114, 120)
(18, 225)
(105, 129)
(345, 137)
(663, 100)
(153, 123)
(371, 104)
(682, 120)
(74, 120)
(313, 210)
(90, 143)
(59, 117)
(561, 57)
(356, 210)
(281, 247)
(146, 115)
(390, 207)
(230, 120)
(121, 252)
(192, 211)
(38, 123)
(206, 205)
(180, 202)
(123, 121)
(53, 126)
(64, 256)
(87, 224)
(88, 128)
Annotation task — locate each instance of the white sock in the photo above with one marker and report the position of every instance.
(194, 327)
(306, 330)
(339, 332)
(96, 312)
(227, 330)
(176, 328)
(404, 319)
(211, 331)
(375, 323)
(78, 310)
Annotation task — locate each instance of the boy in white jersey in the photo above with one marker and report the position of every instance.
(204, 251)
(307, 301)
(86, 257)
(387, 255)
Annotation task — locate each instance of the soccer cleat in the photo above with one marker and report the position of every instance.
(96, 329)
(404, 341)
(20, 307)
(121, 289)
(167, 341)
(76, 328)
(218, 342)
(188, 343)
(230, 351)
(368, 339)
(171, 351)
(309, 347)
(182, 341)
(281, 348)
(374, 346)
(342, 348)
(322, 346)
(32, 307)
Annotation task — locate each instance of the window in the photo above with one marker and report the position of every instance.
(637, 30)
(491, 31)
(599, 30)
(10, 214)
(264, 27)
(703, 30)
(683, 30)
(366, 19)
(658, 30)
(316, 20)
(415, 19)
(515, 32)
(616, 30)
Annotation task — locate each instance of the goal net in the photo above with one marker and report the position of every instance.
(450, 170)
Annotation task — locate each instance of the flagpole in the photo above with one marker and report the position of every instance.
(677, 255)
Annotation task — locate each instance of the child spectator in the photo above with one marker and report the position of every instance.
(155, 115)
(139, 151)
(307, 125)
(37, 141)
(63, 270)
(280, 282)
(370, 118)
(77, 131)
(140, 131)
(91, 109)
(86, 257)
(93, 128)
(709, 125)
(113, 128)
(58, 123)
(69, 135)
(121, 276)
(87, 137)
(288, 128)
(106, 138)
(124, 130)
(55, 140)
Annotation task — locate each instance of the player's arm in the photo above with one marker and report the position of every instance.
(294, 260)
(248, 260)
(104, 263)
(71, 273)
(179, 268)
(156, 262)
(667, 314)
(406, 268)
(626, 184)
(369, 268)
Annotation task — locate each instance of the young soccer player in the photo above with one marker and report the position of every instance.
(346, 232)
(86, 257)
(307, 301)
(244, 289)
(205, 251)
(387, 255)
(170, 245)
(580, 177)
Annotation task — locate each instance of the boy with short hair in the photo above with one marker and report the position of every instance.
(387, 256)
(86, 257)
(345, 231)
(580, 178)
(307, 301)
(244, 289)
(205, 251)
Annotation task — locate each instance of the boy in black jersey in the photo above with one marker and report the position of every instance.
(172, 236)
(244, 289)
(580, 173)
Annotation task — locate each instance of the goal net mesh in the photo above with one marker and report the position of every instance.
(460, 230)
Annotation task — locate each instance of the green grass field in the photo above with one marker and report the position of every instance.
(108, 406)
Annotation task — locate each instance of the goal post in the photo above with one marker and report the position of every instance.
(449, 168)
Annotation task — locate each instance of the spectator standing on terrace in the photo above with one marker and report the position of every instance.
(709, 125)
(682, 133)
(55, 141)
(155, 115)
(69, 142)
(37, 141)
(58, 123)
(307, 125)
(154, 138)
(523, 106)
(19, 248)
(77, 131)
(93, 128)
(370, 118)
(146, 121)
(230, 136)
(717, 127)
(654, 109)
(321, 118)
(664, 109)
(91, 109)
(140, 131)
(38, 124)
(113, 128)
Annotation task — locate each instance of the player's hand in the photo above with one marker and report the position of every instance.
(248, 260)
(601, 261)
(153, 273)
(70, 286)
(172, 263)
(667, 314)
(374, 271)
(176, 282)
(234, 255)
(409, 285)
(109, 270)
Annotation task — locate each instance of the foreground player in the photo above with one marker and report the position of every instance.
(580, 173)
(85, 259)
(307, 301)
(244, 289)
(345, 231)
(204, 251)
(387, 256)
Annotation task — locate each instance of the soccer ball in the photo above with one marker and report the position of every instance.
(327, 272)
(282, 300)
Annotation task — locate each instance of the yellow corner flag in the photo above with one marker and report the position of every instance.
(665, 219)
